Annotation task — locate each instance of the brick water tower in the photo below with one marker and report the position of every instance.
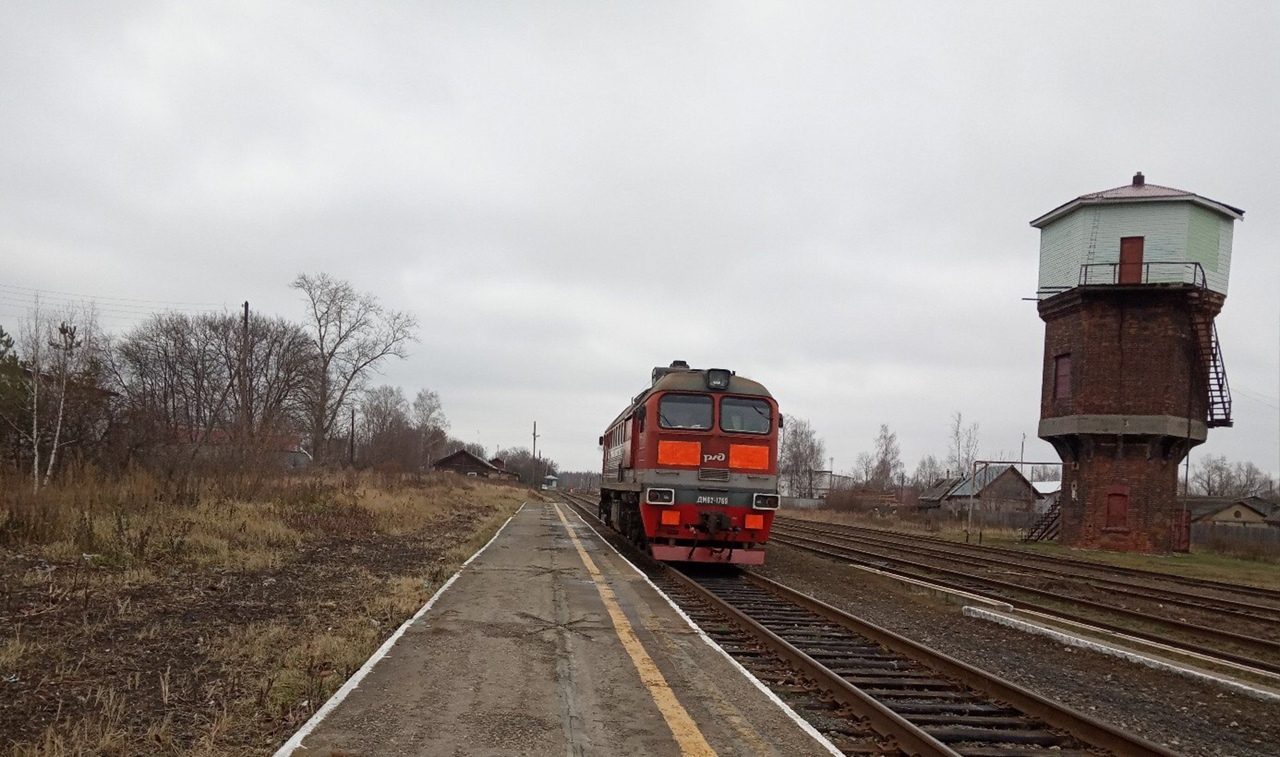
(1131, 280)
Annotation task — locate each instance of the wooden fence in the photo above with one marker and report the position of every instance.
(1237, 541)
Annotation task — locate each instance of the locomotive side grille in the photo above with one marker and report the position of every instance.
(713, 474)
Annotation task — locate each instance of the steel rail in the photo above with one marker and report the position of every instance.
(878, 564)
(976, 559)
(1088, 729)
(1058, 560)
(905, 734)
(884, 720)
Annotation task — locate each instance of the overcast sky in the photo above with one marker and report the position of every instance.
(830, 198)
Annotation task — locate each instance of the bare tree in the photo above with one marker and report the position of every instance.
(174, 372)
(963, 448)
(1046, 473)
(888, 459)
(1214, 476)
(802, 455)
(351, 333)
(32, 337)
(431, 425)
(928, 472)
(269, 358)
(57, 375)
(531, 470)
(1248, 479)
(11, 399)
(387, 434)
(864, 468)
(66, 347)
(453, 444)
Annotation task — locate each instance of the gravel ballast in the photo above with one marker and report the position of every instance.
(1187, 716)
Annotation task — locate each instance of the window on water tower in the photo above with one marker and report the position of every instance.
(1117, 515)
(1062, 377)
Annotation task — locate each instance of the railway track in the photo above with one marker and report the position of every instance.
(1250, 642)
(871, 691)
(1263, 603)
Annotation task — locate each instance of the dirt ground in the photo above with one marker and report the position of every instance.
(195, 657)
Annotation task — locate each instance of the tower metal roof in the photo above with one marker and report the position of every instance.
(1137, 191)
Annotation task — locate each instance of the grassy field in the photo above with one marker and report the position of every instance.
(1197, 564)
(212, 616)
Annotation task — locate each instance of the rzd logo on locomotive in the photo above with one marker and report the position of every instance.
(716, 458)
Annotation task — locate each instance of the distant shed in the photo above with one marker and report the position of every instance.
(935, 494)
(465, 463)
(1246, 512)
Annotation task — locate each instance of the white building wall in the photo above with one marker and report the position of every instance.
(1061, 246)
(1218, 279)
(1073, 241)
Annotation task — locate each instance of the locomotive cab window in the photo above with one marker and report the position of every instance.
(691, 412)
(745, 416)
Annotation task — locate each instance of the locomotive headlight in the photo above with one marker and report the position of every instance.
(660, 496)
(718, 378)
(765, 502)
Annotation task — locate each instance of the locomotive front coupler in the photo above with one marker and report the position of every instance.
(714, 523)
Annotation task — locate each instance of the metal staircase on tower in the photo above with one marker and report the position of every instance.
(1048, 524)
(1210, 353)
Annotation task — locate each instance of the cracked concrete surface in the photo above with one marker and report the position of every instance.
(519, 657)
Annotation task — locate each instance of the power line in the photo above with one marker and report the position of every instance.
(122, 309)
(117, 299)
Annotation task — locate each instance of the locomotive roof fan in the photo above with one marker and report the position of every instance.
(676, 365)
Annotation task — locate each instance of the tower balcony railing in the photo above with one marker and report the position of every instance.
(1104, 274)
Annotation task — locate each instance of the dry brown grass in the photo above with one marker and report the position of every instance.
(144, 615)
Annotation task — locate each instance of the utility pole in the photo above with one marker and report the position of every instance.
(534, 475)
(246, 406)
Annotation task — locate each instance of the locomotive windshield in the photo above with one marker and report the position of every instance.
(685, 411)
(745, 416)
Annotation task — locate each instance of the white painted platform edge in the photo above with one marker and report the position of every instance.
(804, 725)
(1125, 654)
(353, 682)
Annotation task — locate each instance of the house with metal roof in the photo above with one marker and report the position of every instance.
(995, 488)
(935, 494)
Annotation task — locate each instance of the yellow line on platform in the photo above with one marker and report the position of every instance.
(685, 731)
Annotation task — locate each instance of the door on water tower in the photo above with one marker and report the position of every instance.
(1130, 260)
(1181, 531)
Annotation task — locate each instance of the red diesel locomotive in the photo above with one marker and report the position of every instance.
(691, 467)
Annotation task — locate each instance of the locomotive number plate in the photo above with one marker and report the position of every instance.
(707, 499)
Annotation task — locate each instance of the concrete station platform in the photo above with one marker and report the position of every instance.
(549, 643)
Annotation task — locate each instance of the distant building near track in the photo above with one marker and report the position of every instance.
(1131, 280)
(1247, 512)
(465, 463)
(999, 489)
